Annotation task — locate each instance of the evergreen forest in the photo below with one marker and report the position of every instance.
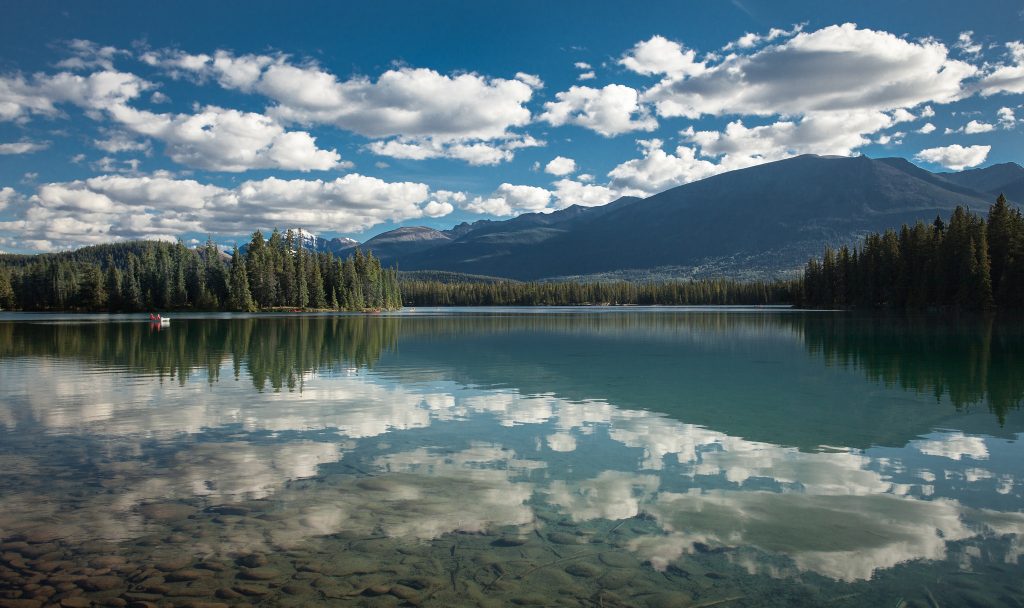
(965, 263)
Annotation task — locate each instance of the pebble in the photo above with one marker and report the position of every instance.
(107, 561)
(20, 603)
(228, 594)
(377, 590)
(252, 590)
(172, 564)
(75, 602)
(259, 574)
(405, 593)
(253, 560)
(101, 583)
(186, 575)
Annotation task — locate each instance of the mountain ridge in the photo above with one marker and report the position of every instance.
(755, 222)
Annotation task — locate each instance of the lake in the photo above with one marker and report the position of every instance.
(578, 457)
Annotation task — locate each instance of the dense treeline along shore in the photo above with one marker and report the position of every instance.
(966, 263)
(274, 273)
(571, 293)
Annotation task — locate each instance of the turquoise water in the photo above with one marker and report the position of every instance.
(579, 457)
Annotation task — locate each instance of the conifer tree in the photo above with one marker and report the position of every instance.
(239, 298)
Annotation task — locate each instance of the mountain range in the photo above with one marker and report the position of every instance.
(763, 221)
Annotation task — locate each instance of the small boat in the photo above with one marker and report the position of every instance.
(159, 320)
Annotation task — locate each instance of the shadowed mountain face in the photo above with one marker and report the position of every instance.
(759, 221)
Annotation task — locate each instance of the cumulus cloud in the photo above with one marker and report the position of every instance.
(965, 42)
(1007, 119)
(119, 141)
(659, 55)
(474, 153)
(86, 54)
(7, 196)
(560, 165)
(570, 192)
(975, 126)
(837, 68)
(610, 111)
(835, 133)
(750, 40)
(23, 147)
(926, 128)
(1006, 77)
(955, 157)
(22, 97)
(214, 138)
(509, 199)
(113, 207)
(221, 139)
(416, 105)
(658, 170)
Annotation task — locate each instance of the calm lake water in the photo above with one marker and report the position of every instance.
(593, 457)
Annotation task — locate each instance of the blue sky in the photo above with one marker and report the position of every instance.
(122, 121)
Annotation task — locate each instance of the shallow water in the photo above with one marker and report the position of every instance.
(595, 457)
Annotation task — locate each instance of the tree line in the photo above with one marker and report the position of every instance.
(966, 263)
(572, 293)
(269, 274)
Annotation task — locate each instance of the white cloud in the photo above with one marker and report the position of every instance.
(23, 147)
(837, 68)
(511, 199)
(560, 165)
(659, 55)
(531, 79)
(221, 139)
(750, 40)
(830, 133)
(902, 115)
(474, 153)
(658, 170)
(111, 207)
(428, 114)
(570, 192)
(610, 111)
(489, 206)
(581, 65)
(965, 42)
(214, 138)
(586, 76)
(1007, 119)
(926, 128)
(955, 157)
(21, 98)
(927, 112)
(117, 141)
(406, 102)
(1006, 78)
(7, 196)
(975, 126)
(86, 54)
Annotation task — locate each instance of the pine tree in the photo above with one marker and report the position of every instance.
(113, 282)
(6, 290)
(240, 298)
